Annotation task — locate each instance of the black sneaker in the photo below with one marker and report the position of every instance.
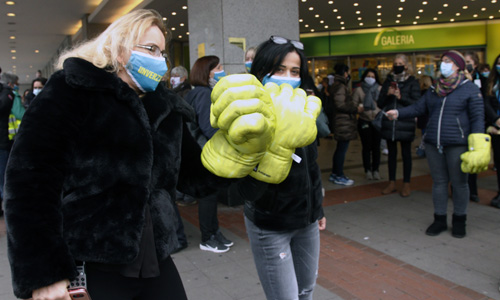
(221, 238)
(214, 245)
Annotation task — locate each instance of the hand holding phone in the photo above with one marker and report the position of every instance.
(79, 294)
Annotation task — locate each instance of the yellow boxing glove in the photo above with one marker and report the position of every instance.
(478, 157)
(295, 127)
(243, 111)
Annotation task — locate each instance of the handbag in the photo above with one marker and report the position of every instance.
(377, 122)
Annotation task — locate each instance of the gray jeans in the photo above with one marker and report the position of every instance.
(445, 168)
(286, 261)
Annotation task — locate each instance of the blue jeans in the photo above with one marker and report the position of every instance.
(445, 168)
(286, 261)
(4, 157)
(339, 158)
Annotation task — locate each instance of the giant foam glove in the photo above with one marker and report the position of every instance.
(295, 127)
(478, 157)
(243, 112)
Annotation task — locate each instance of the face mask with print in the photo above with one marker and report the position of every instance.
(370, 80)
(175, 82)
(279, 80)
(446, 69)
(36, 91)
(219, 75)
(248, 66)
(146, 70)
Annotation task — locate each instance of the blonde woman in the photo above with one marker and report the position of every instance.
(93, 174)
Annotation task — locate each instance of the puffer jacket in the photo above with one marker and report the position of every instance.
(344, 116)
(89, 158)
(402, 129)
(451, 118)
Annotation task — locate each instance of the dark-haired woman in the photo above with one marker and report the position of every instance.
(283, 220)
(366, 97)
(400, 89)
(205, 73)
(36, 87)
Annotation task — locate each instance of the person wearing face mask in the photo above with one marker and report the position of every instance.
(282, 191)
(92, 176)
(455, 143)
(400, 89)
(179, 81)
(343, 122)
(366, 97)
(205, 73)
(249, 55)
(492, 110)
(36, 87)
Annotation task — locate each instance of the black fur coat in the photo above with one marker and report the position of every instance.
(88, 157)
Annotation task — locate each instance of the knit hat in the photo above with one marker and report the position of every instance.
(457, 58)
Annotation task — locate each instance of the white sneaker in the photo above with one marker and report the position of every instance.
(385, 152)
(376, 175)
(213, 245)
(369, 175)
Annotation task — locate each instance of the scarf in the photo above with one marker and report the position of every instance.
(444, 86)
(371, 95)
(400, 77)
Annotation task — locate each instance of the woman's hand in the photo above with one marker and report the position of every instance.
(391, 91)
(322, 223)
(55, 291)
(397, 93)
(392, 114)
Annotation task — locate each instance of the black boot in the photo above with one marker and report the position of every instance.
(458, 223)
(438, 226)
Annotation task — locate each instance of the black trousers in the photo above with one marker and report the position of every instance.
(370, 141)
(392, 159)
(110, 285)
(495, 142)
(207, 216)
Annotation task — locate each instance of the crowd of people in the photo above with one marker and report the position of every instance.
(111, 154)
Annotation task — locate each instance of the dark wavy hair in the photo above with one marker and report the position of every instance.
(493, 78)
(270, 55)
(200, 72)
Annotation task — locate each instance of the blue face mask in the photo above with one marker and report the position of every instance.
(219, 75)
(446, 69)
(248, 66)
(485, 74)
(16, 88)
(146, 70)
(498, 68)
(279, 80)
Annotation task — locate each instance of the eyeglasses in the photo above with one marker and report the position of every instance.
(281, 41)
(154, 50)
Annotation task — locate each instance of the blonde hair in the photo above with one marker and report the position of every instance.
(119, 38)
(409, 68)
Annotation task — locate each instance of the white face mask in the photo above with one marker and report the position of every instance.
(36, 91)
(446, 69)
(175, 82)
(370, 80)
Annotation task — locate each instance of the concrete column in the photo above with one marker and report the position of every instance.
(212, 24)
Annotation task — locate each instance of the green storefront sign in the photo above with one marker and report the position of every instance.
(394, 39)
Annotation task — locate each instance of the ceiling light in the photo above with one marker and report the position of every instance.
(417, 17)
(445, 5)
(339, 17)
(420, 10)
(316, 16)
(13, 67)
(379, 20)
(182, 24)
(342, 28)
(398, 15)
(402, 0)
(452, 20)
(361, 24)
(491, 17)
(173, 28)
(326, 26)
(311, 8)
(493, 1)
(322, 21)
(475, 16)
(379, 6)
(306, 26)
(174, 13)
(379, 14)
(342, 23)
(13, 51)
(312, 30)
(13, 57)
(11, 14)
(335, 10)
(483, 9)
(379, 25)
(465, 7)
(359, 18)
(180, 36)
(12, 37)
(414, 22)
(440, 12)
(424, 3)
(358, 12)
(10, 3)
(301, 20)
(400, 8)
(435, 18)
(356, 4)
(184, 7)
(304, 0)
(164, 18)
(187, 33)
(330, 2)
(397, 21)
(37, 51)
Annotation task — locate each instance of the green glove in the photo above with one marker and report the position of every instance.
(478, 157)
(243, 111)
(295, 127)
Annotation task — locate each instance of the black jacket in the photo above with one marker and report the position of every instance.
(199, 98)
(292, 204)
(400, 129)
(6, 101)
(90, 154)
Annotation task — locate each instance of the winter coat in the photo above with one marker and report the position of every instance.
(183, 89)
(358, 98)
(89, 157)
(402, 129)
(344, 117)
(199, 98)
(451, 118)
(292, 204)
(6, 101)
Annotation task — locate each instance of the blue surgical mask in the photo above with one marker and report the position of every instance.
(146, 70)
(485, 74)
(446, 69)
(279, 80)
(219, 75)
(248, 66)
(16, 88)
(36, 91)
(498, 68)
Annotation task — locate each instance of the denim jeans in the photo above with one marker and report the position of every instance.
(339, 158)
(4, 157)
(286, 261)
(445, 168)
